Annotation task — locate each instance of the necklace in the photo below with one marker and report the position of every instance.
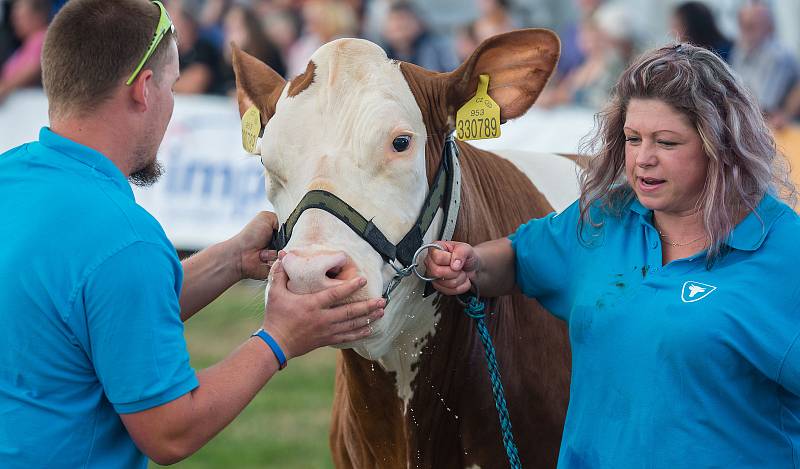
(666, 240)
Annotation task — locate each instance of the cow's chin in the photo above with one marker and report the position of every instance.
(408, 321)
(373, 347)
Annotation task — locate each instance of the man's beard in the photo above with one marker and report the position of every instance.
(148, 174)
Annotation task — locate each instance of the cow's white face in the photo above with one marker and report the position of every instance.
(338, 135)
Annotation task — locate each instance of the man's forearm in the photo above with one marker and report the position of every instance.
(175, 430)
(225, 390)
(206, 275)
(497, 273)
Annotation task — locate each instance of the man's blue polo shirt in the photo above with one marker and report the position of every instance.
(89, 316)
(673, 366)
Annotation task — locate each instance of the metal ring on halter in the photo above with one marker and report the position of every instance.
(416, 264)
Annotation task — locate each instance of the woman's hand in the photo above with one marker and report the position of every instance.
(455, 268)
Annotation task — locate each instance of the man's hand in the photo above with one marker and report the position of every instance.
(251, 253)
(301, 323)
(455, 268)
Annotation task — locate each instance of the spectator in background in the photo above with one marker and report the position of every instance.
(242, 26)
(55, 6)
(8, 41)
(407, 38)
(324, 21)
(466, 41)
(29, 19)
(210, 21)
(282, 27)
(765, 66)
(199, 60)
(572, 54)
(375, 12)
(606, 47)
(616, 20)
(693, 22)
(495, 18)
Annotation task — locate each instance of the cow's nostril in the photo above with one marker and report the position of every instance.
(334, 272)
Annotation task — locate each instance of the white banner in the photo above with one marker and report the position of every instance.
(211, 188)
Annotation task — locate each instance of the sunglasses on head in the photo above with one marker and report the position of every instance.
(164, 25)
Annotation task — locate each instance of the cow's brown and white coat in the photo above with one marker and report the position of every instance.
(416, 393)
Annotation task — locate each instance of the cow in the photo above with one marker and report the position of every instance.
(373, 132)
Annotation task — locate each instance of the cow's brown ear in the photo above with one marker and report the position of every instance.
(256, 84)
(518, 63)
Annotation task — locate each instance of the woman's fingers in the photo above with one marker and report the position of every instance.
(439, 257)
(453, 283)
(453, 288)
(442, 272)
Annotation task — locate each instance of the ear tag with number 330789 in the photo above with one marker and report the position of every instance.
(251, 130)
(479, 118)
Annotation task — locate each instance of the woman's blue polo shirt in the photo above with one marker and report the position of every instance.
(89, 315)
(673, 366)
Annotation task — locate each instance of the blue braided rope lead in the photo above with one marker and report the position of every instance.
(475, 309)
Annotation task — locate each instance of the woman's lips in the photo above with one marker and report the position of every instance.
(648, 184)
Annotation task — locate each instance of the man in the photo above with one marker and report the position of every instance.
(765, 66)
(94, 370)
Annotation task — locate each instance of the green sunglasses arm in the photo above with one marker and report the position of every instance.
(164, 25)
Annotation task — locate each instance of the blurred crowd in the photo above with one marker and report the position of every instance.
(596, 45)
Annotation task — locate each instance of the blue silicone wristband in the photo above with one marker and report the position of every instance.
(276, 349)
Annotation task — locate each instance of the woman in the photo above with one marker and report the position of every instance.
(693, 22)
(198, 58)
(589, 83)
(243, 28)
(675, 273)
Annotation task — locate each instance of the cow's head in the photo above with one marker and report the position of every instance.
(369, 130)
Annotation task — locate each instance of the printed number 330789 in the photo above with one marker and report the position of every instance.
(476, 128)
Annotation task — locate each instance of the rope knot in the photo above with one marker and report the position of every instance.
(475, 308)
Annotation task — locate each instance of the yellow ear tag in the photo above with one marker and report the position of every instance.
(479, 118)
(251, 130)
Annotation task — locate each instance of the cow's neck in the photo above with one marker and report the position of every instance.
(418, 325)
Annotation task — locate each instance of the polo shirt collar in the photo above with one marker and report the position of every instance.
(750, 233)
(85, 155)
(637, 207)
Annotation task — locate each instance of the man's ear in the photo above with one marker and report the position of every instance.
(139, 90)
(256, 84)
(518, 63)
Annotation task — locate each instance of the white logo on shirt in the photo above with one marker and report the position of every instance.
(695, 291)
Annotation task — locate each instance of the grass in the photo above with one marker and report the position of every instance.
(286, 425)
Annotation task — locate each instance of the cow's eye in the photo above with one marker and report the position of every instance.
(401, 143)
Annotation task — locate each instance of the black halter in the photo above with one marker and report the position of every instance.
(439, 195)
